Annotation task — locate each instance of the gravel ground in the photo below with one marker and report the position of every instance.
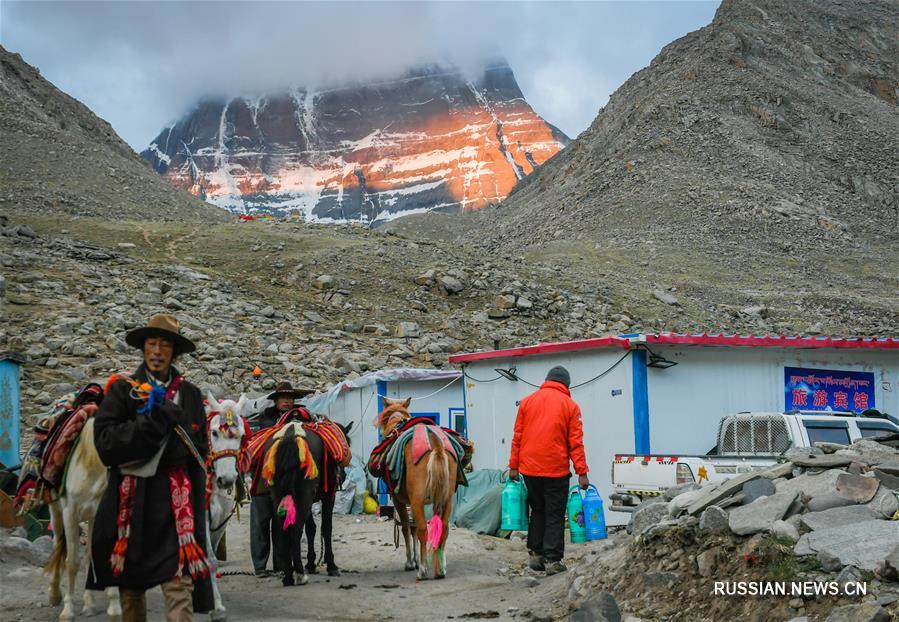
(485, 579)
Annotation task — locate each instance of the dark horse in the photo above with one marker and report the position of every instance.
(290, 479)
(335, 475)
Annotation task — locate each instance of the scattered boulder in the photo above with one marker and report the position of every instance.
(600, 608)
(864, 612)
(829, 562)
(786, 531)
(713, 518)
(325, 281)
(407, 329)
(663, 296)
(450, 285)
(648, 515)
(827, 501)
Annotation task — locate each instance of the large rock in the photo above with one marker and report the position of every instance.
(872, 450)
(827, 501)
(857, 544)
(858, 488)
(713, 518)
(760, 514)
(756, 489)
(681, 502)
(812, 484)
(890, 567)
(408, 329)
(885, 503)
(648, 515)
(865, 612)
(828, 461)
(837, 517)
(600, 608)
(785, 531)
(450, 285)
(721, 492)
(325, 281)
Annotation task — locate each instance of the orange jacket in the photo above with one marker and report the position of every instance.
(548, 432)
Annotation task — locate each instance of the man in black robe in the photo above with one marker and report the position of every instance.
(150, 431)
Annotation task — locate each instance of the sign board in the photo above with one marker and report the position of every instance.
(828, 390)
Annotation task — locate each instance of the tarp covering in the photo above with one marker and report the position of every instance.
(478, 506)
(319, 403)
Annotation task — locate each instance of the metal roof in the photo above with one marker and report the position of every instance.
(703, 339)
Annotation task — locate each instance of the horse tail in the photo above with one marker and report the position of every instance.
(438, 483)
(58, 556)
(287, 464)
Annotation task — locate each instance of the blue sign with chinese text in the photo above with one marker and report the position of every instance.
(828, 390)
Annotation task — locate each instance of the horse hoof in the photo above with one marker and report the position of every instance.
(218, 615)
(55, 600)
(303, 580)
(411, 566)
(66, 616)
(287, 581)
(334, 572)
(311, 569)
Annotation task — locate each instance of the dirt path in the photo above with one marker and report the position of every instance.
(485, 580)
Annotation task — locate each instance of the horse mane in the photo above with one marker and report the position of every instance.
(394, 414)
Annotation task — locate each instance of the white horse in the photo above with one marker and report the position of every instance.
(85, 483)
(225, 429)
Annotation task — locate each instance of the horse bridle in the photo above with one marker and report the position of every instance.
(230, 427)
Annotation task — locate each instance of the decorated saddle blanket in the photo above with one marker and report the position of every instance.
(388, 462)
(55, 435)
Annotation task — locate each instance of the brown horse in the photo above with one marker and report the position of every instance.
(432, 480)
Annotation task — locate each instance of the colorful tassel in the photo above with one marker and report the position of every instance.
(288, 511)
(435, 532)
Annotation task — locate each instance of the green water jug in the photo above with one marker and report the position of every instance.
(576, 524)
(514, 500)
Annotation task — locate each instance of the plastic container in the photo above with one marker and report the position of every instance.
(594, 516)
(576, 525)
(514, 508)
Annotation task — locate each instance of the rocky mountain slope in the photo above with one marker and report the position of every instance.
(753, 163)
(428, 140)
(56, 156)
(778, 120)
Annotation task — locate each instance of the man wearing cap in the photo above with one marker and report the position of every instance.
(262, 512)
(150, 527)
(548, 435)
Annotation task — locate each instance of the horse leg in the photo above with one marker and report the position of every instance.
(113, 603)
(89, 609)
(59, 539)
(421, 534)
(218, 612)
(290, 538)
(400, 509)
(310, 543)
(440, 561)
(73, 543)
(327, 533)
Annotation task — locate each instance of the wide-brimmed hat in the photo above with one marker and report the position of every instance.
(161, 325)
(284, 388)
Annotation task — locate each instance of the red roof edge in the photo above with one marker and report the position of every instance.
(544, 348)
(683, 339)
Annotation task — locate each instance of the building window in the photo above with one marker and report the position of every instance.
(457, 420)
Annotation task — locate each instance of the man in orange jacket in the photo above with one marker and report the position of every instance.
(548, 434)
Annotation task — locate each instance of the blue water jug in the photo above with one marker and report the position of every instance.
(576, 525)
(594, 517)
(514, 500)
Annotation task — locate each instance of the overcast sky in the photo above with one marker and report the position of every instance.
(141, 65)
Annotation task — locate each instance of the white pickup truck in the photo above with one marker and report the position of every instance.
(746, 441)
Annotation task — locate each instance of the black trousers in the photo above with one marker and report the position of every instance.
(546, 527)
(263, 532)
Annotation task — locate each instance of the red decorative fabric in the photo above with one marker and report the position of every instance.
(190, 555)
(123, 522)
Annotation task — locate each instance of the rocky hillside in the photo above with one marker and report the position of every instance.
(753, 163)
(428, 140)
(56, 156)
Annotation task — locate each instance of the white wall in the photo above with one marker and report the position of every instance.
(361, 407)
(687, 401)
(608, 420)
